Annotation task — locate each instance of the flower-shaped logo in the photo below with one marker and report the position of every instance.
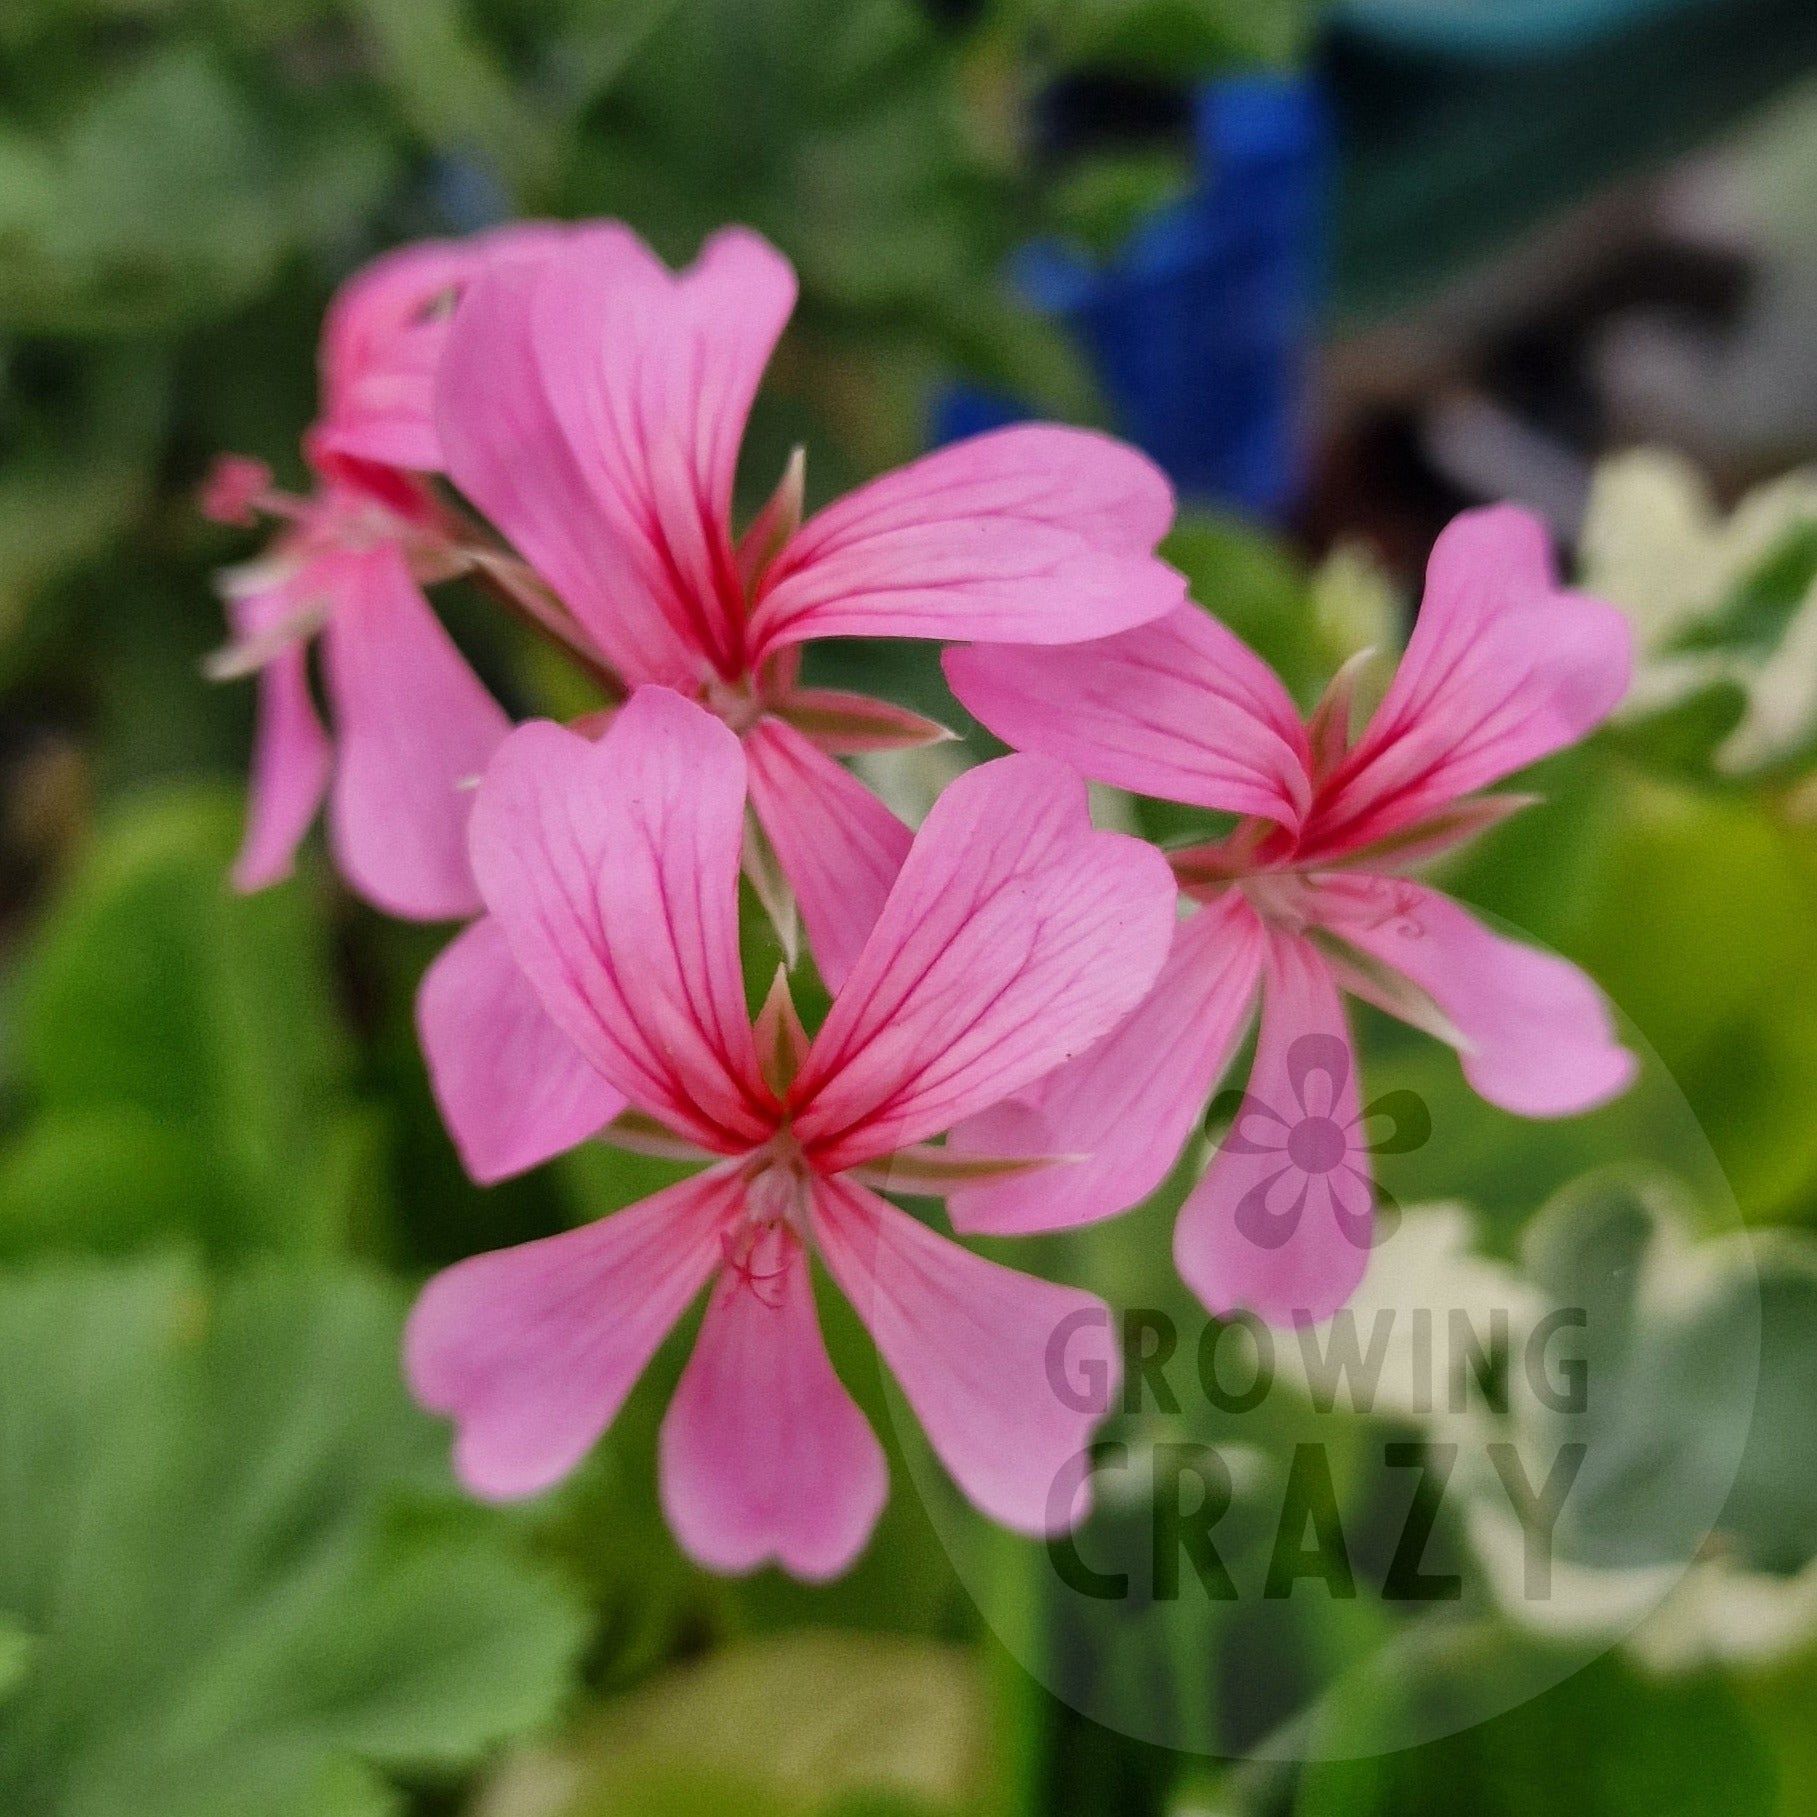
(1324, 1156)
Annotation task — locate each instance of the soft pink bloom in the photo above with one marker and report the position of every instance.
(382, 342)
(1012, 936)
(233, 489)
(412, 722)
(1305, 901)
(592, 404)
(484, 1034)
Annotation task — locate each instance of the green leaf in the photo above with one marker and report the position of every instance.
(450, 86)
(1626, 1745)
(852, 133)
(171, 1020)
(1755, 615)
(1683, 737)
(1696, 1504)
(203, 1495)
(80, 439)
(161, 176)
(103, 1177)
(1724, 611)
(1781, 1702)
(1674, 874)
(15, 1655)
(1671, 1330)
(162, 201)
(789, 1725)
(1173, 38)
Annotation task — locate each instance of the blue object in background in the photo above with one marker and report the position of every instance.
(1200, 329)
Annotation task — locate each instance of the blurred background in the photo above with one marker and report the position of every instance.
(1343, 269)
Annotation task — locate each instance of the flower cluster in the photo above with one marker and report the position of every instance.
(1028, 1015)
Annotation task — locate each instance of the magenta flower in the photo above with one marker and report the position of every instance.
(592, 405)
(1305, 901)
(1013, 936)
(411, 720)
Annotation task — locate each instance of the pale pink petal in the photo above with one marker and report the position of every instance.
(1126, 1106)
(383, 337)
(414, 728)
(1179, 709)
(513, 1089)
(531, 1351)
(1007, 1374)
(232, 488)
(271, 607)
(1281, 1222)
(1504, 667)
(290, 762)
(612, 867)
(738, 295)
(1015, 935)
(651, 377)
(763, 1454)
(1539, 1037)
(1034, 534)
(505, 446)
(838, 845)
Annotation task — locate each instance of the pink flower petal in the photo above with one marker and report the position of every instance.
(414, 728)
(513, 1089)
(612, 867)
(1504, 667)
(383, 338)
(531, 1351)
(232, 488)
(1178, 709)
(651, 377)
(1280, 1223)
(507, 449)
(291, 754)
(1541, 1042)
(1128, 1104)
(763, 1454)
(1007, 1374)
(1033, 534)
(1014, 937)
(838, 845)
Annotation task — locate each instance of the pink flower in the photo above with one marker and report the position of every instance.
(235, 487)
(592, 405)
(412, 721)
(1305, 901)
(1013, 935)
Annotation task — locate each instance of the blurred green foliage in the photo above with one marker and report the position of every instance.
(222, 1597)
(178, 1056)
(876, 1724)
(233, 1577)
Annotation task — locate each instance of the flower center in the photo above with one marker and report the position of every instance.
(776, 1185)
(757, 1247)
(735, 702)
(1283, 898)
